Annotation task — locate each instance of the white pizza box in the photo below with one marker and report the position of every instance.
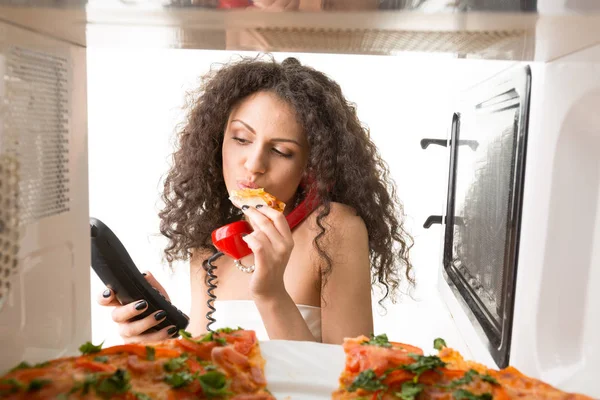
(302, 370)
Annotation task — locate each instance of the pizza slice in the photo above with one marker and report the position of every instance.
(254, 197)
(377, 369)
(514, 382)
(226, 364)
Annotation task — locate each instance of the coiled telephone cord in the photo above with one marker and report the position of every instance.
(211, 286)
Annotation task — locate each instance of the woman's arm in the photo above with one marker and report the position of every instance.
(282, 318)
(272, 243)
(346, 309)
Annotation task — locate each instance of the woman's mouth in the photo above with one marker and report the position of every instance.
(247, 185)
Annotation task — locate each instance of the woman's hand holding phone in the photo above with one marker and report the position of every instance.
(133, 331)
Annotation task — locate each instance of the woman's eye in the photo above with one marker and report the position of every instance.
(282, 154)
(240, 140)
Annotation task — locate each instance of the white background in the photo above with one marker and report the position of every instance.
(135, 100)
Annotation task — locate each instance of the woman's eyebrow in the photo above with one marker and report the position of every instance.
(273, 140)
(251, 129)
(286, 141)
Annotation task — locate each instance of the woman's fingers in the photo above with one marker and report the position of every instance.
(107, 298)
(277, 219)
(163, 334)
(133, 331)
(261, 223)
(258, 243)
(136, 328)
(126, 312)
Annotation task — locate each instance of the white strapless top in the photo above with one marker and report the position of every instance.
(244, 313)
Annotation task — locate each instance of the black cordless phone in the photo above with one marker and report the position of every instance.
(116, 269)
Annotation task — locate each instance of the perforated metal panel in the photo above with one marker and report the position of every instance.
(9, 226)
(34, 156)
(38, 113)
(387, 42)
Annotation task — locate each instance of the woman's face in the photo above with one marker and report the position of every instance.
(264, 147)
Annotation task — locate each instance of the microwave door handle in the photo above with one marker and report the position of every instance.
(473, 144)
(437, 219)
(438, 142)
(432, 219)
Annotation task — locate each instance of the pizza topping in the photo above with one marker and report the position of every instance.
(22, 365)
(10, 385)
(228, 330)
(461, 394)
(489, 379)
(257, 376)
(214, 383)
(116, 383)
(230, 360)
(422, 364)
(201, 350)
(379, 340)
(89, 381)
(243, 341)
(468, 378)
(37, 384)
(410, 390)
(94, 366)
(101, 359)
(255, 197)
(104, 384)
(89, 348)
(367, 380)
(212, 337)
(439, 344)
(150, 353)
(175, 364)
(140, 350)
(185, 334)
(179, 379)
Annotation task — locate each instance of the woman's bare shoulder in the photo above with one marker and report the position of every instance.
(341, 220)
(339, 214)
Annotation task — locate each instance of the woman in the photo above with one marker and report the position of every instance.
(288, 129)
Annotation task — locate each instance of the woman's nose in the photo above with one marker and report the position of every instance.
(256, 162)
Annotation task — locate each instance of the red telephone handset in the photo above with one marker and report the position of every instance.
(228, 239)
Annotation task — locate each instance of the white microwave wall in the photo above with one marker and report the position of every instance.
(43, 153)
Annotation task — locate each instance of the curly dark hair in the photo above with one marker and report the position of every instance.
(345, 164)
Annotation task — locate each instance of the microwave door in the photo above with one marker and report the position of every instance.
(485, 186)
